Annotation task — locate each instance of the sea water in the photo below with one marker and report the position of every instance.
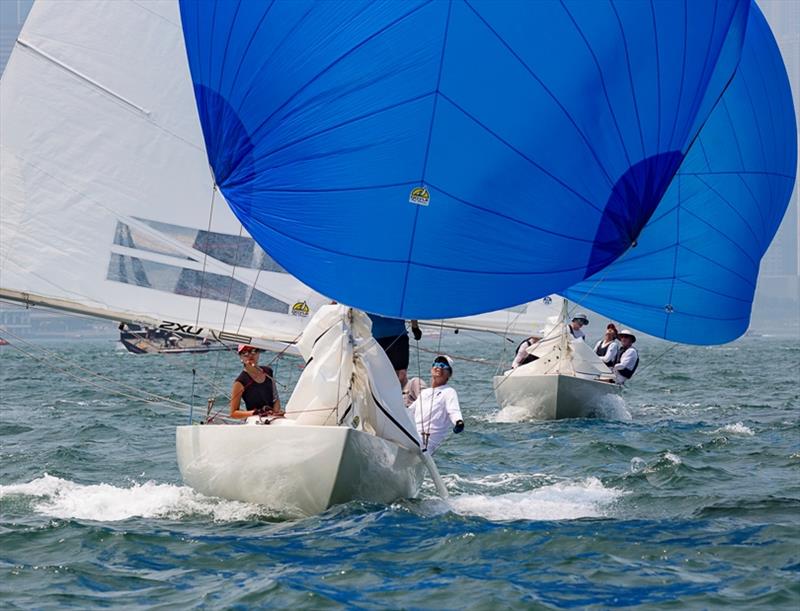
(685, 494)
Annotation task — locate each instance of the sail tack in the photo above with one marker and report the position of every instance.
(439, 159)
(693, 274)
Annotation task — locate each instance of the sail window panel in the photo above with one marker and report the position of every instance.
(136, 238)
(239, 251)
(190, 283)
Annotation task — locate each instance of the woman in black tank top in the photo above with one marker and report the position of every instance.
(256, 386)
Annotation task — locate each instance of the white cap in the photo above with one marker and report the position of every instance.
(443, 358)
(628, 333)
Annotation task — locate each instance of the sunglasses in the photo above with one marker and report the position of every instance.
(441, 366)
(248, 352)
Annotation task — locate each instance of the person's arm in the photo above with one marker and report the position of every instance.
(454, 411)
(236, 400)
(611, 354)
(522, 353)
(276, 404)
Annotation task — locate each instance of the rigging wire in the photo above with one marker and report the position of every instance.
(49, 356)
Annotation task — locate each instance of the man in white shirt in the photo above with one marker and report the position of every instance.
(628, 359)
(577, 324)
(436, 409)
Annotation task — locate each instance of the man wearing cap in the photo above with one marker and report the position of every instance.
(436, 410)
(255, 385)
(579, 321)
(628, 359)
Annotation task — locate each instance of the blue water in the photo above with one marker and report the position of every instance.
(685, 495)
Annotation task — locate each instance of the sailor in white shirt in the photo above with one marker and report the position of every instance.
(608, 347)
(436, 410)
(578, 321)
(628, 359)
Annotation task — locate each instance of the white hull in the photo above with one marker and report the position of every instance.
(553, 396)
(293, 468)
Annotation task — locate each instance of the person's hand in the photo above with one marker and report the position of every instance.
(459, 426)
(417, 332)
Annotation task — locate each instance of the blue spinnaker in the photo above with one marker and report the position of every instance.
(433, 159)
(693, 274)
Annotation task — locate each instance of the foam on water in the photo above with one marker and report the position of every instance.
(737, 429)
(562, 501)
(64, 499)
(565, 500)
(610, 407)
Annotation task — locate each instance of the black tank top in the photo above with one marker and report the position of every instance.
(258, 396)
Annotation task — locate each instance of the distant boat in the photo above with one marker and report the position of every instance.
(3, 342)
(566, 379)
(147, 340)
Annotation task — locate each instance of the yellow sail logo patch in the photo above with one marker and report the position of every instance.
(300, 309)
(419, 195)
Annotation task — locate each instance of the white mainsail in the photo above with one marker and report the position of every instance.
(106, 198)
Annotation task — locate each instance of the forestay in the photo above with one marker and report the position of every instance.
(438, 159)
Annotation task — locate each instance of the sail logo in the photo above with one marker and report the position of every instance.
(300, 309)
(179, 328)
(420, 195)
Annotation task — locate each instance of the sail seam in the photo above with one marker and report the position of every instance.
(437, 93)
(31, 47)
(520, 153)
(555, 99)
(331, 65)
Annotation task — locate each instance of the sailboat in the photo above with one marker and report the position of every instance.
(390, 181)
(566, 379)
(108, 209)
(420, 160)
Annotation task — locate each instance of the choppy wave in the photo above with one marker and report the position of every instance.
(737, 429)
(588, 498)
(502, 497)
(60, 498)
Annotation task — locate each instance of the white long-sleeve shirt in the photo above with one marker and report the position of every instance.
(611, 353)
(435, 412)
(628, 359)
